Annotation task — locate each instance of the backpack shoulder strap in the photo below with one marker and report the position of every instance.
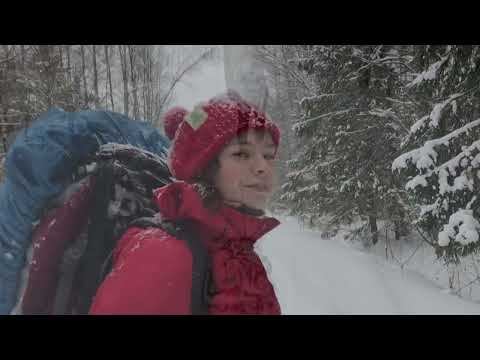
(100, 240)
(202, 281)
(125, 178)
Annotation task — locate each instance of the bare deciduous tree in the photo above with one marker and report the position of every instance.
(123, 64)
(95, 75)
(84, 76)
(109, 76)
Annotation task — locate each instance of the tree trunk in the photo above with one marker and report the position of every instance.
(291, 94)
(77, 89)
(95, 76)
(144, 55)
(85, 100)
(397, 230)
(123, 64)
(69, 69)
(48, 71)
(24, 89)
(150, 85)
(109, 76)
(60, 52)
(4, 89)
(372, 220)
(133, 77)
(22, 57)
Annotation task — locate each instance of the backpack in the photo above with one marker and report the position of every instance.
(125, 179)
(86, 190)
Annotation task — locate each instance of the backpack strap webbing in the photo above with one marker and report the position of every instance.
(100, 241)
(202, 281)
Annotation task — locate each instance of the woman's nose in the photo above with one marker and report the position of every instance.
(259, 164)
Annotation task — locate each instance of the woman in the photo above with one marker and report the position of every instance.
(223, 157)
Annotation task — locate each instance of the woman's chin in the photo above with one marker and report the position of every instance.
(257, 204)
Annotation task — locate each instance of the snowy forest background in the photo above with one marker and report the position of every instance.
(380, 142)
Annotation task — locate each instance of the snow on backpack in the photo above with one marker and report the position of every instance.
(86, 177)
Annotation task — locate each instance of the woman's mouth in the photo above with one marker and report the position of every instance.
(258, 187)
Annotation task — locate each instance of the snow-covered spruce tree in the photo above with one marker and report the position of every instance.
(441, 160)
(350, 131)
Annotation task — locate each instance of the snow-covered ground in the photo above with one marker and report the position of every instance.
(315, 275)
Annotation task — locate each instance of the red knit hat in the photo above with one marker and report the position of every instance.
(208, 128)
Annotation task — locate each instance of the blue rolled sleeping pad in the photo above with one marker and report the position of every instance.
(39, 167)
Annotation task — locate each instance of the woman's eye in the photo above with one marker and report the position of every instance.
(269, 156)
(241, 155)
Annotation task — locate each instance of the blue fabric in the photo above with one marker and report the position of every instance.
(39, 167)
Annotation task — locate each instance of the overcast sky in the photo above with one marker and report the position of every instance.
(200, 85)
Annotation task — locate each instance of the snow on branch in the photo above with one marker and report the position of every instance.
(309, 189)
(299, 173)
(438, 108)
(461, 182)
(426, 156)
(462, 227)
(307, 99)
(420, 124)
(328, 162)
(429, 74)
(430, 208)
(386, 113)
(433, 119)
(299, 125)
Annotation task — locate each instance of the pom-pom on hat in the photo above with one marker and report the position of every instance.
(172, 119)
(208, 128)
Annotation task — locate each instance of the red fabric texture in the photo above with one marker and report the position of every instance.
(152, 271)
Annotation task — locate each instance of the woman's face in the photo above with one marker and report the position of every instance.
(246, 175)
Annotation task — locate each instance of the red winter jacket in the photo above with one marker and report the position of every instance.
(152, 272)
